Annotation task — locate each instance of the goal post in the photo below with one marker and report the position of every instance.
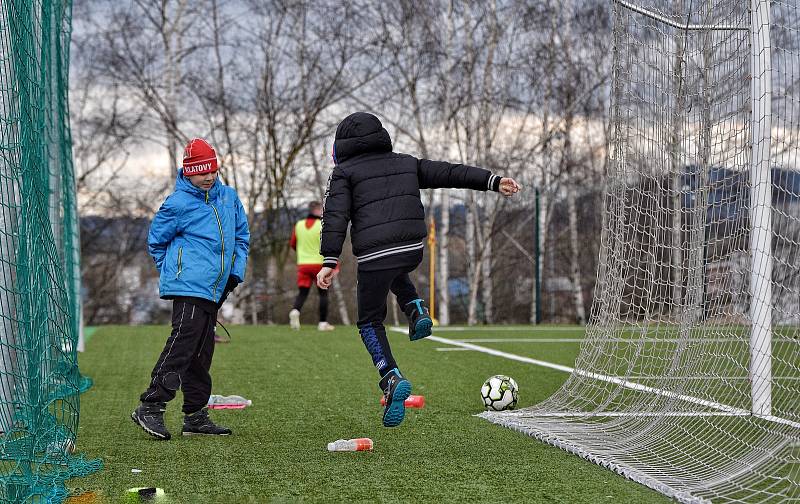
(688, 378)
(761, 211)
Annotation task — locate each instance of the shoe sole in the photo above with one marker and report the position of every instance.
(156, 435)
(422, 329)
(396, 410)
(203, 434)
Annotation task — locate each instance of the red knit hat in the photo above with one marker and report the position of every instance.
(199, 158)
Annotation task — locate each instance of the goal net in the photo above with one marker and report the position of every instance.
(688, 379)
(39, 259)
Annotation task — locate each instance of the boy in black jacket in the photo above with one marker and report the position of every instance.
(377, 191)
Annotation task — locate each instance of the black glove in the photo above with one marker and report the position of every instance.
(233, 282)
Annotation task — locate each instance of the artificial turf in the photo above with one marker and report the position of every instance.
(309, 388)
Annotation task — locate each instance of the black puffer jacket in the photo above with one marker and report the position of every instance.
(378, 191)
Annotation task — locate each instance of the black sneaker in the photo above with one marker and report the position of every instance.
(200, 423)
(150, 417)
(396, 390)
(419, 320)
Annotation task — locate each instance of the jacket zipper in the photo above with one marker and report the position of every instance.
(222, 257)
(180, 264)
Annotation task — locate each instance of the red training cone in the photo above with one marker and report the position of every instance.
(413, 401)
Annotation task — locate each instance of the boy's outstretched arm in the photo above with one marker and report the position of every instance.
(163, 229)
(441, 174)
(335, 219)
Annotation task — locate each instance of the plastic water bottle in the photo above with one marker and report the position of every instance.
(358, 444)
(228, 402)
(413, 401)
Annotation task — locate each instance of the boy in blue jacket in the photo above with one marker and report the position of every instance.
(199, 240)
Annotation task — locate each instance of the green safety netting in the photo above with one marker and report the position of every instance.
(39, 257)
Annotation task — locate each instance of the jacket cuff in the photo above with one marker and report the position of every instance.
(330, 262)
(494, 183)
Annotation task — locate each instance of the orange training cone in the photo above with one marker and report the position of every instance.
(413, 401)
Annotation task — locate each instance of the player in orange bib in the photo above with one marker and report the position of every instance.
(305, 241)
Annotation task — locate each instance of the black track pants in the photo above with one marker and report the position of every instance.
(186, 359)
(373, 288)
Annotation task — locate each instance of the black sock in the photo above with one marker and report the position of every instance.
(413, 306)
(301, 298)
(323, 304)
(385, 377)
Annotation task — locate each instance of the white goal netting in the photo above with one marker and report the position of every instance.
(688, 379)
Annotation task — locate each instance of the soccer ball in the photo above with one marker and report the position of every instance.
(499, 393)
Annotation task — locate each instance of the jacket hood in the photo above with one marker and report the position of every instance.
(360, 133)
(183, 184)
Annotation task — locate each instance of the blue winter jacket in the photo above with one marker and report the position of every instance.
(198, 239)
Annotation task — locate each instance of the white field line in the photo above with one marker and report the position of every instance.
(451, 349)
(706, 378)
(509, 329)
(521, 340)
(783, 421)
(610, 379)
(545, 329)
(565, 414)
(613, 340)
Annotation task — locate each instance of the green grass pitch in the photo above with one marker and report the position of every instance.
(309, 388)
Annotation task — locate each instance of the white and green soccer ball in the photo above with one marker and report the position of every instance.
(499, 393)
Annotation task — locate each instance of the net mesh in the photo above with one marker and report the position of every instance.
(688, 379)
(39, 257)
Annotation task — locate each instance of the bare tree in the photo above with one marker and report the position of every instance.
(483, 108)
(500, 84)
(105, 128)
(272, 108)
(144, 46)
(569, 166)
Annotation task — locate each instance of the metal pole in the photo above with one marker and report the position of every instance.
(432, 273)
(760, 211)
(537, 257)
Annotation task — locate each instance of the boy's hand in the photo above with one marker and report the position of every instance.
(325, 277)
(509, 186)
(232, 283)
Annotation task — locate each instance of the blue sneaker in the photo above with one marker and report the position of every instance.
(396, 390)
(419, 320)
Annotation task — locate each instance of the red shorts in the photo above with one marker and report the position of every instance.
(307, 274)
